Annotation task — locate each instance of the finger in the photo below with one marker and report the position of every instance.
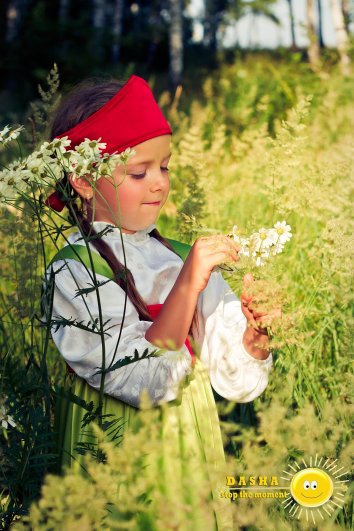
(220, 241)
(247, 313)
(267, 319)
(245, 301)
(214, 259)
(247, 280)
(258, 314)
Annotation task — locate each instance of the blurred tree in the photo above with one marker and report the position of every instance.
(98, 14)
(117, 19)
(99, 10)
(63, 10)
(4, 6)
(346, 13)
(313, 50)
(342, 36)
(15, 14)
(292, 24)
(176, 42)
(320, 24)
(214, 13)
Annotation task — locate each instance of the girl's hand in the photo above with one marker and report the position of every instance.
(259, 321)
(207, 253)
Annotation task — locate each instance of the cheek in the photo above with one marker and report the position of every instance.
(129, 196)
(108, 193)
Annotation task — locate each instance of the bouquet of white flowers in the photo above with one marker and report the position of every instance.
(264, 243)
(45, 167)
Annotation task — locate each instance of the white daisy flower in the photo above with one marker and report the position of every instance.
(59, 145)
(283, 231)
(276, 249)
(8, 134)
(244, 251)
(262, 239)
(236, 233)
(126, 155)
(14, 134)
(91, 148)
(3, 133)
(6, 419)
(261, 256)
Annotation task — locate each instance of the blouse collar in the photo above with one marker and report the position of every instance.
(114, 233)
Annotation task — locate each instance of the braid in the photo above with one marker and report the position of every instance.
(122, 276)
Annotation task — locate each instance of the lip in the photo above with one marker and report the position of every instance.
(157, 203)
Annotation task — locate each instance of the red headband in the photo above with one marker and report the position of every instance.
(129, 118)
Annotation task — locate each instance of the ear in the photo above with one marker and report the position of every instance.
(81, 185)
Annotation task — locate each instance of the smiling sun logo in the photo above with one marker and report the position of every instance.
(315, 487)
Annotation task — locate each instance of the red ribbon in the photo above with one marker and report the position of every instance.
(55, 202)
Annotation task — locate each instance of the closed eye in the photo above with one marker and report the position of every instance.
(142, 175)
(138, 175)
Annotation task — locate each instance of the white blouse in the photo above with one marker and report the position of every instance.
(233, 372)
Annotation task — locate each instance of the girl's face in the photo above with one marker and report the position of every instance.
(133, 197)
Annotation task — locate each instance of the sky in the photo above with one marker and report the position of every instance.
(261, 32)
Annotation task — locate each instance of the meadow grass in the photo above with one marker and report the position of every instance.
(266, 143)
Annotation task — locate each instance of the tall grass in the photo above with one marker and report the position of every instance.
(266, 144)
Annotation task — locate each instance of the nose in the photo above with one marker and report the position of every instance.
(160, 180)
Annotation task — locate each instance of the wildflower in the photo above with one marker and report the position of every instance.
(264, 243)
(283, 231)
(244, 243)
(90, 148)
(235, 234)
(58, 146)
(14, 134)
(6, 419)
(126, 154)
(8, 134)
(264, 238)
(260, 256)
(3, 133)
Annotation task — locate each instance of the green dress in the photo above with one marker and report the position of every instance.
(190, 455)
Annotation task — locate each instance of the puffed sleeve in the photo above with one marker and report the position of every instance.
(161, 376)
(234, 373)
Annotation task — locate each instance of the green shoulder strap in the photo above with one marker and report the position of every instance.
(80, 253)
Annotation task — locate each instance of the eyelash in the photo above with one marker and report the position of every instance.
(142, 175)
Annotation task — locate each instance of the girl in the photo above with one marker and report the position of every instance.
(158, 303)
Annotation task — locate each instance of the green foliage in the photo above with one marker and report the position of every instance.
(260, 144)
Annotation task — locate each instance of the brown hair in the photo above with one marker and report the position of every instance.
(78, 105)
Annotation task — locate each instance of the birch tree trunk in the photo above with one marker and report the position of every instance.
(320, 24)
(346, 14)
(98, 21)
(16, 11)
(313, 49)
(176, 43)
(210, 29)
(117, 28)
(341, 35)
(99, 11)
(292, 25)
(63, 10)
